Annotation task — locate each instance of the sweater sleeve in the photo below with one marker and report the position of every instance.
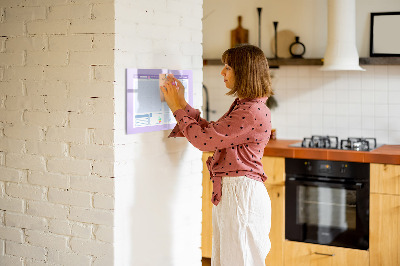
(193, 113)
(231, 130)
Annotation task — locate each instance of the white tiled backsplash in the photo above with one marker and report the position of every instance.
(339, 103)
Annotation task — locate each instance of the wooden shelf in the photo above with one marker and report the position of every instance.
(380, 61)
(274, 63)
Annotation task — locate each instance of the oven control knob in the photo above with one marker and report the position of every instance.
(308, 166)
(343, 168)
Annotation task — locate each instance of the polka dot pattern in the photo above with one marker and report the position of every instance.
(238, 139)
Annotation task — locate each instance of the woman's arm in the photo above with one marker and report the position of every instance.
(180, 98)
(239, 127)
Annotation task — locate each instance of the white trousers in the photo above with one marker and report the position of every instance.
(241, 223)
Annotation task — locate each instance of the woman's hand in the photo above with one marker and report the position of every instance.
(181, 89)
(171, 95)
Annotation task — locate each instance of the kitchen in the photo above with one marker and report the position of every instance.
(312, 103)
(75, 189)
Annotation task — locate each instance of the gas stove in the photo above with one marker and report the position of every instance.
(332, 142)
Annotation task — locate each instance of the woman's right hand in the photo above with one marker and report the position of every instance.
(181, 90)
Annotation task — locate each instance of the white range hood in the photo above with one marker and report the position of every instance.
(341, 51)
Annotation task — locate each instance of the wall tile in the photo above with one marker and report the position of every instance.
(381, 97)
(346, 102)
(329, 109)
(382, 136)
(394, 82)
(394, 123)
(394, 110)
(381, 83)
(367, 110)
(355, 96)
(354, 80)
(382, 110)
(291, 71)
(394, 97)
(381, 71)
(394, 137)
(367, 96)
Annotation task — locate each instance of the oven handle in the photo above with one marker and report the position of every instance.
(357, 185)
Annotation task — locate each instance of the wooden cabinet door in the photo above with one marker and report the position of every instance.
(304, 254)
(274, 168)
(385, 178)
(206, 225)
(384, 236)
(277, 233)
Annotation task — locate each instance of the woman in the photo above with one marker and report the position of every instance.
(242, 208)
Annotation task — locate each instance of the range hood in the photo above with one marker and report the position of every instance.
(341, 51)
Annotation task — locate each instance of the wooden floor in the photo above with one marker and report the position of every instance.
(206, 261)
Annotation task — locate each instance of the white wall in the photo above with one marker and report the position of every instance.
(305, 18)
(158, 180)
(344, 103)
(56, 132)
(313, 102)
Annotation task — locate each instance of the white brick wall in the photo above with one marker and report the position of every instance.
(62, 138)
(25, 221)
(56, 132)
(156, 177)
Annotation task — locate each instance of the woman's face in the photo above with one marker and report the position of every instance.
(229, 76)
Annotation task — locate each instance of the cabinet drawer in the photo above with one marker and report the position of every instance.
(304, 254)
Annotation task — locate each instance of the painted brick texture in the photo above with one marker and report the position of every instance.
(158, 180)
(62, 135)
(56, 132)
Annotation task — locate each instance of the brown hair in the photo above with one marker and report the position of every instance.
(250, 66)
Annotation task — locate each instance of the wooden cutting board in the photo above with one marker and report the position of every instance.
(239, 35)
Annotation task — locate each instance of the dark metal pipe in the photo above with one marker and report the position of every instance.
(276, 38)
(259, 26)
(207, 105)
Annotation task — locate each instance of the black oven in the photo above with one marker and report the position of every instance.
(327, 202)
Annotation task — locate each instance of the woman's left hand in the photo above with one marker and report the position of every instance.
(171, 96)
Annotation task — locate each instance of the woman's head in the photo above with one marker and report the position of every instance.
(251, 72)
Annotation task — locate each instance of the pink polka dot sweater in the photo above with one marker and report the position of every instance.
(238, 139)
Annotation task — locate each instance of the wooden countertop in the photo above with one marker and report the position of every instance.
(389, 154)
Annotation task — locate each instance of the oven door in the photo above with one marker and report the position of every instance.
(327, 213)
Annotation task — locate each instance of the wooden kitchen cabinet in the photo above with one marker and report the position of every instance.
(206, 225)
(277, 233)
(384, 237)
(305, 254)
(385, 178)
(274, 168)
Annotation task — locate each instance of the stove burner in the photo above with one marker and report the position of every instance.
(332, 142)
(358, 144)
(328, 142)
